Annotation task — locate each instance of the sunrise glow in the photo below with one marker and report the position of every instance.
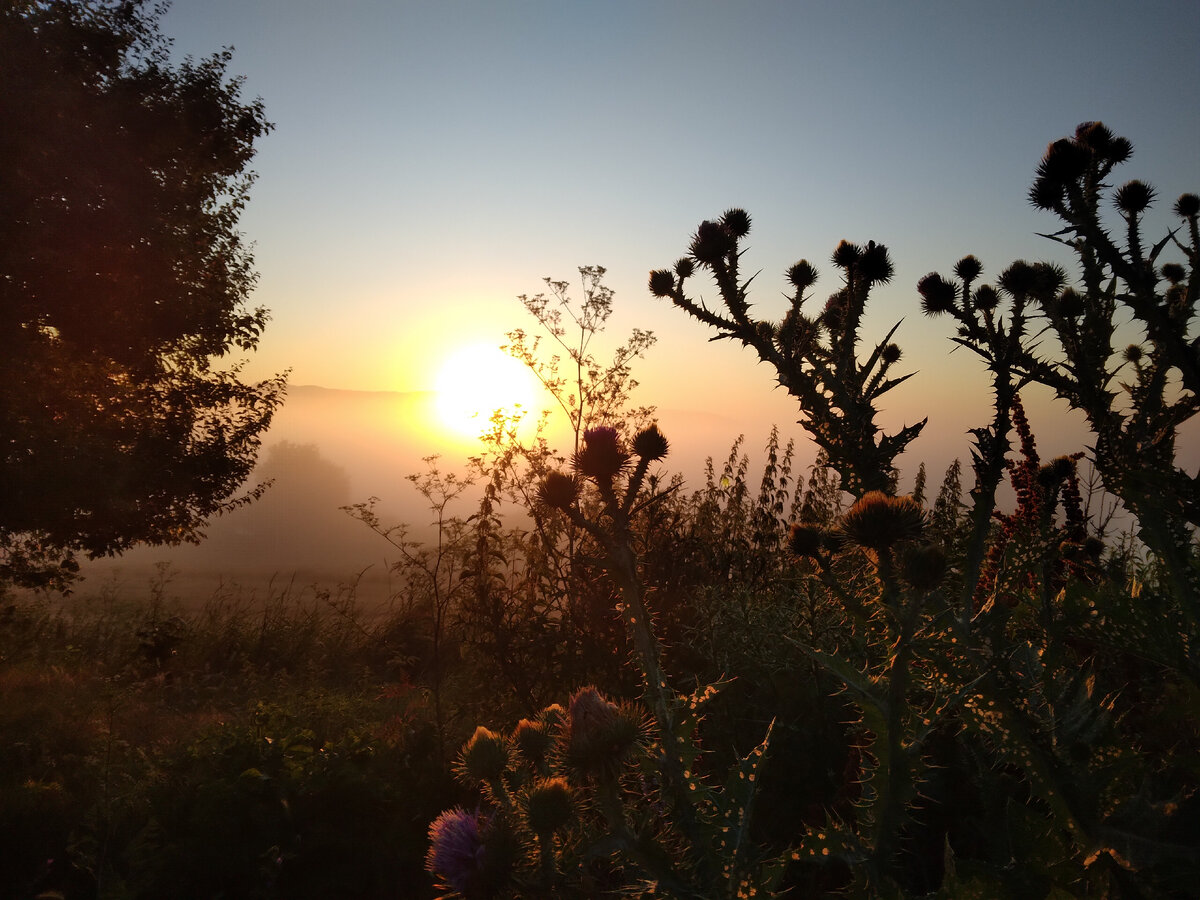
(476, 381)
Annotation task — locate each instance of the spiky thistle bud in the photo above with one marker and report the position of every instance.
(1019, 279)
(737, 221)
(1096, 137)
(1070, 304)
(1174, 272)
(649, 444)
(684, 267)
(846, 255)
(1134, 354)
(532, 740)
(600, 735)
(806, 541)
(1046, 193)
(471, 854)
(877, 521)
(1133, 197)
(558, 490)
(923, 566)
(937, 294)
(968, 268)
(1053, 473)
(802, 275)
(601, 456)
(985, 297)
(891, 354)
(484, 757)
(662, 283)
(712, 243)
(1065, 161)
(875, 265)
(549, 806)
(1187, 206)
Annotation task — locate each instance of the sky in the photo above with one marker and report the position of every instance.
(432, 161)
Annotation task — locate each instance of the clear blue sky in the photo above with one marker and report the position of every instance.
(433, 160)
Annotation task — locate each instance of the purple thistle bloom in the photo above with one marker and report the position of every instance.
(456, 849)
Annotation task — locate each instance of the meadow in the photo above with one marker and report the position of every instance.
(597, 681)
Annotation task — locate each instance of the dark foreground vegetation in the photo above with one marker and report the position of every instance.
(596, 682)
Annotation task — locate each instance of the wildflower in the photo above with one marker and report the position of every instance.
(875, 265)
(923, 566)
(469, 853)
(601, 456)
(662, 283)
(484, 757)
(600, 735)
(684, 268)
(1070, 304)
(937, 294)
(968, 268)
(1133, 197)
(532, 740)
(558, 491)
(1187, 206)
(802, 275)
(649, 444)
(890, 354)
(549, 806)
(986, 297)
(878, 521)
(846, 254)
(712, 242)
(737, 222)
(806, 540)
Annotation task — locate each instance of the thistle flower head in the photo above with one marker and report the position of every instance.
(875, 265)
(968, 268)
(1065, 161)
(1053, 473)
(891, 353)
(806, 541)
(937, 294)
(601, 456)
(484, 757)
(923, 566)
(1133, 197)
(1070, 303)
(1134, 354)
(1095, 136)
(737, 221)
(649, 444)
(802, 275)
(549, 806)
(877, 521)
(471, 854)
(1187, 206)
(662, 283)
(1045, 193)
(985, 297)
(1174, 273)
(846, 255)
(600, 735)
(558, 490)
(712, 243)
(684, 267)
(1019, 279)
(532, 740)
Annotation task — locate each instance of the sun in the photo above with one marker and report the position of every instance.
(476, 381)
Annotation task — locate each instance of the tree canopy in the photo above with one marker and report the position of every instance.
(123, 282)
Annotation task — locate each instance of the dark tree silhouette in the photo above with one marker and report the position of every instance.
(123, 278)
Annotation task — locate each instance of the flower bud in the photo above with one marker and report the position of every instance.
(806, 541)
(649, 444)
(711, 243)
(684, 267)
(737, 221)
(532, 740)
(601, 456)
(1187, 206)
(549, 806)
(968, 268)
(877, 521)
(923, 566)
(985, 297)
(484, 757)
(875, 265)
(891, 353)
(802, 275)
(1174, 273)
(937, 294)
(1133, 197)
(846, 255)
(662, 283)
(600, 735)
(558, 490)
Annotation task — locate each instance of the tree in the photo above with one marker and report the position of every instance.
(123, 279)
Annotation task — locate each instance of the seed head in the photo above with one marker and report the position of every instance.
(937, 294)
(662, 283)
(649, 444)
(549, 806)
(877, 521)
